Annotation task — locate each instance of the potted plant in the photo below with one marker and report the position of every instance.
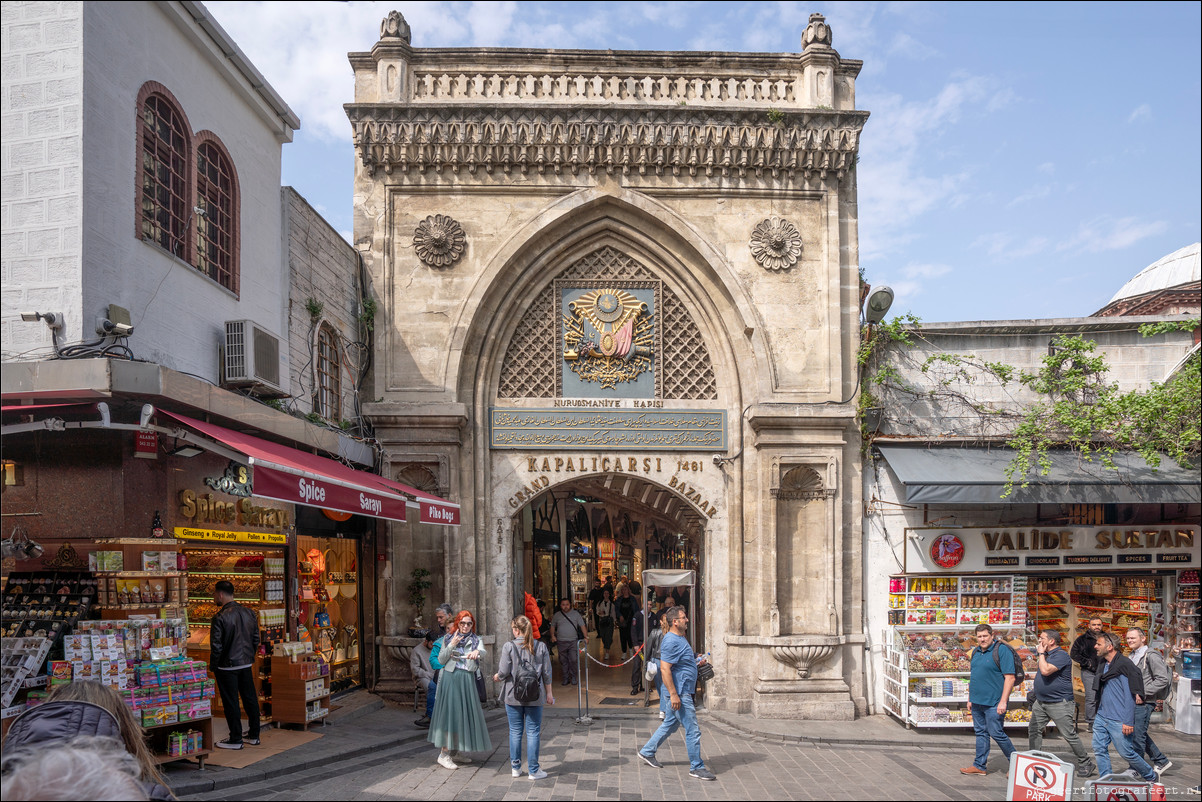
(417, 597)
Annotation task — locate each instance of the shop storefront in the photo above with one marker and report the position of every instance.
(1021, 580)
(139, 522)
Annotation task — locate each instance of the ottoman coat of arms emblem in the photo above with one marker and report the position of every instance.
(608, 336)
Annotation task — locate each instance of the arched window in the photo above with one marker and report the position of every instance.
(329, 378)
(216, 213)
(163, 187)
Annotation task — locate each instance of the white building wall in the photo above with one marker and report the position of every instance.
(41, 157)
(177, 311)
(1134, 361)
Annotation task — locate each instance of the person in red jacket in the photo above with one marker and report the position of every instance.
(533, 613)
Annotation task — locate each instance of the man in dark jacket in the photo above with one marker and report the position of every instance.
(234, 642)
(1119, 688)
(1085, 655)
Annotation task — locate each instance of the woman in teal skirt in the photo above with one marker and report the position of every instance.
(458, 721)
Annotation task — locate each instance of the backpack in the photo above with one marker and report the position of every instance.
(527, 681)
(1020, 676)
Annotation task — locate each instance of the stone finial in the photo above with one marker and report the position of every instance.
(394, 27)
(816, 33)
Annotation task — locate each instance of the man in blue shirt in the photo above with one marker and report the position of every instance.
(990, 680)
(1054, 700)
(678, 672)
(1119, 687)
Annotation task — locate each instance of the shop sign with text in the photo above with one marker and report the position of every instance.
(1024, 549)
(220, 536)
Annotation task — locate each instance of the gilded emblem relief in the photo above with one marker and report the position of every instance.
(610, 339)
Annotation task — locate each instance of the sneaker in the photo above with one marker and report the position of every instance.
(1088, 771)
(462, 760)
(1162, 768)
(445, 761)
(516, 772)
(538, 774)
(228, 744)
(650, 761)
(423, 722)
(703, 774)
(974, 770)
(246, 739)
(1129, 773)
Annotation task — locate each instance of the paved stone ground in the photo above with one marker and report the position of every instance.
(374, 753)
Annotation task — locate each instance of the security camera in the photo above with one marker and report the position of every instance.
(718, 459)
(147, 414)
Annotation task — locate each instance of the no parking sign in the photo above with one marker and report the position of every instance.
(1039, 775)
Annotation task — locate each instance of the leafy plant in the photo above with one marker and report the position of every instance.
(367, 315)
(315, 308)
(417, 588)
(776, 116)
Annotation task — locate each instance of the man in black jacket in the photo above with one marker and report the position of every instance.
(234, 642)
(1084, 654)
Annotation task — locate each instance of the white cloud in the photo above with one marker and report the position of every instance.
(907, 46)
(1003, 247)
(899, 180)
(1034, 193)
(917, 271)
(1139, 112)
(1048, 168)
(1109, 234)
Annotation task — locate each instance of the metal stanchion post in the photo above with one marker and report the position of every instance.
(584, 719)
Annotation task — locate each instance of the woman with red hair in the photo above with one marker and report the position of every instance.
(458, 721)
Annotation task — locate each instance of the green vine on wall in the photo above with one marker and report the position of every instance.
(1075, 405)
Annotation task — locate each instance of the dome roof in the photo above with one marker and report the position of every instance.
(1179, 267)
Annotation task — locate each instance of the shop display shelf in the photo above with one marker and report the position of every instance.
(1010, 725)
(138, 541)
(938, 673)
(225, 573)
(138, 573)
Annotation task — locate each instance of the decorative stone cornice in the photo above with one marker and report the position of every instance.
(560, 139)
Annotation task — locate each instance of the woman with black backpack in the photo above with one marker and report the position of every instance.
(525, 670)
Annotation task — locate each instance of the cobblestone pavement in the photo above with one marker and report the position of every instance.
(598, 762)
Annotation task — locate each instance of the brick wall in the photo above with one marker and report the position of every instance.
(41, 162)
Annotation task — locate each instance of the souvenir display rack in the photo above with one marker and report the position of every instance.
(999, 601)
(926, 675)
(1185, 619)
(328, 582)
(300, 688)
(138, 575)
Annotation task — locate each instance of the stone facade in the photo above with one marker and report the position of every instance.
(489, 185)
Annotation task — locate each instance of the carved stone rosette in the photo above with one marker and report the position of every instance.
(394, 26)
(775, 244)
(803, 658)
(439, 240)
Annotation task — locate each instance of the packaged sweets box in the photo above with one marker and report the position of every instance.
(162, 714)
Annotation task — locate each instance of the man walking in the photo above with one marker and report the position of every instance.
(1157, 679)
(678, 672)
(1118, 688)
(1054, 700)
(567, 628)
(234, 642)
(1084, 652)
(990, 680)
(424, 673)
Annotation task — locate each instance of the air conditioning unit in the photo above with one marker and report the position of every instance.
(252, 356)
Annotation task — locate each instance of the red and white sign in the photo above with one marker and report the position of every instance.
(315, 492)
(434, 513)
(1039, 775)
(146, 445)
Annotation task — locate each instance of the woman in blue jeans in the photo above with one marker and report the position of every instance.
(524, 717)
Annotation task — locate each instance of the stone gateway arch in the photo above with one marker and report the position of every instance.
(617, 315)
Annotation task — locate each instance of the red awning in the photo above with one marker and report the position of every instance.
(288, 474)
(22, 409)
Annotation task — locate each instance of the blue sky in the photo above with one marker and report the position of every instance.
(1021, 160)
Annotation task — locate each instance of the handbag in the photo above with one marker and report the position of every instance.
(651, 670)
(705, 672)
